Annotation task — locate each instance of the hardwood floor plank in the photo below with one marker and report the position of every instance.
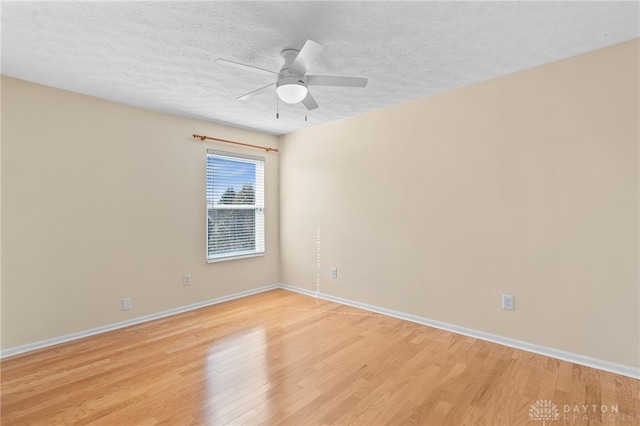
(283, 358)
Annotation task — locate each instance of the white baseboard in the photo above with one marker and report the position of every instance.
(86, 333)
(599, 364)
(623, 370)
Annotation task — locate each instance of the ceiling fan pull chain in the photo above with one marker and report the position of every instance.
(277, 107)
(305, 114)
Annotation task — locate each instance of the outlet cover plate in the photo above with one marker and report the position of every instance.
(507, 302)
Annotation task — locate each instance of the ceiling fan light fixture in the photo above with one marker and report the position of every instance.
(292, 90)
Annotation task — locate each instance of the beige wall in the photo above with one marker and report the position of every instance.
(101, 201)
(526, 185)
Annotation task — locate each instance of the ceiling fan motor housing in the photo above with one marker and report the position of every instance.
(286, 76)
(291, 79)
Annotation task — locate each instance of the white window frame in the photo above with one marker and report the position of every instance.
(259, 228)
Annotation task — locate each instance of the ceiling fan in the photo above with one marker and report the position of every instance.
(292, 82)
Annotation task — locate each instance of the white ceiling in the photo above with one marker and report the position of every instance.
(160, 55)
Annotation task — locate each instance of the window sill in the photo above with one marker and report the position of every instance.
(242, 256)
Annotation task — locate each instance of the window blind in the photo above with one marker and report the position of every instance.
(235, 206)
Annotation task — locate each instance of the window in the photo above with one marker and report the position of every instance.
(235, 206)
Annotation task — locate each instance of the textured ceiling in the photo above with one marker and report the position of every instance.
(160, 55)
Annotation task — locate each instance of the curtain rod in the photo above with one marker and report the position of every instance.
(266, 148)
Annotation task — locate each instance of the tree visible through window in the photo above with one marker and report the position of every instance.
(235, 206)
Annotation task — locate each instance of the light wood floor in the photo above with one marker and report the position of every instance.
(284, 358)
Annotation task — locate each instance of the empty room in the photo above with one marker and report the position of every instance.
(320, 212)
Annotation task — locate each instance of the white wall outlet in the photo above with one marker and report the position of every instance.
(186, 279)
(334, 273)
(126, 304)
(507, 302)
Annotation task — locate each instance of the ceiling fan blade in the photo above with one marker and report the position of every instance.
(309, 103)
(308, 53)
(325, 80)
(245, 67)
(256, 92)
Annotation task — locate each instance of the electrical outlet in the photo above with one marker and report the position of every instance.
(186, 279)
(507, 302)
(334, 273)
(126, 304)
